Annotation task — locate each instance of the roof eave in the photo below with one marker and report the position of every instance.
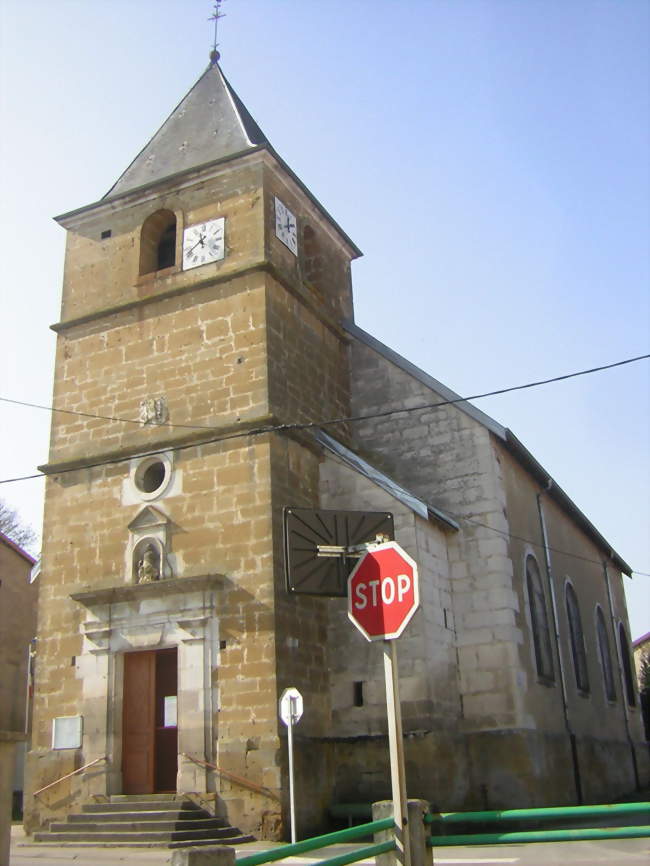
(535, 468)
(16, 548)
(65, 218)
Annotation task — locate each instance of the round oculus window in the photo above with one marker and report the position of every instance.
(152, 476)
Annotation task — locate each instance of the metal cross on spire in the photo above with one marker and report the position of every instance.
(217, 14)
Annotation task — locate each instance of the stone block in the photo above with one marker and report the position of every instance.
(208, 855)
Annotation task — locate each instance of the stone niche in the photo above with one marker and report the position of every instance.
(147, 556)
(172, 613)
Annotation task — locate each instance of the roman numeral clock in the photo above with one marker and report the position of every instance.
(203, 243)
(286, 228)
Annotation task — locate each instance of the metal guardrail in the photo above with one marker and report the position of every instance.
(359, 854)
(539, 836)
(550, 813)
(69, 775)
(450, 818)
(317, 842)
(544, 813)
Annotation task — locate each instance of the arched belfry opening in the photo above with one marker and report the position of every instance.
(158, 242)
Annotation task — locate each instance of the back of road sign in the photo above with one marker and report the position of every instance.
(305, 529)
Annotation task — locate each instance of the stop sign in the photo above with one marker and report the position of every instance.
(383, 592)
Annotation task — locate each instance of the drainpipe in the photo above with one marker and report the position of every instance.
(558, 646)
(621, 677)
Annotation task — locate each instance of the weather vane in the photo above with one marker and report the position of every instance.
(214, 54)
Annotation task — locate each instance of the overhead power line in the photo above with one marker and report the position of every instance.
(313, 424)
(343, 419)
(306, 425)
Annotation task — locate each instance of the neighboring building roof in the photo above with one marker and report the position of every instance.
(428, 512)
(210, 123)
(641, 641)
(507, 437)
(4, 539)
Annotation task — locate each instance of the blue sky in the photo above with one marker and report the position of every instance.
(489, 158)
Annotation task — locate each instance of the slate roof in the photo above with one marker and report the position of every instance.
(504, 434)
(354, 461)
(210, 123)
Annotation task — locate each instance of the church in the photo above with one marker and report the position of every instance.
(218, 389)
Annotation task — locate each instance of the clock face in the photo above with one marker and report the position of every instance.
(203, 243)
(286, 227)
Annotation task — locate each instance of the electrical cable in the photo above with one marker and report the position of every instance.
(310, 425)
(343, 419)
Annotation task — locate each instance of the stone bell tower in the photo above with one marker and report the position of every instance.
(203, 297)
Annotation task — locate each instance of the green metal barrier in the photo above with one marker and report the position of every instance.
(548, 813)
(322, 841)
(359, 854)
(449, 818)
(539, 836)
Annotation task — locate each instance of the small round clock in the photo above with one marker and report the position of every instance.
(203, 243)
(286, 227)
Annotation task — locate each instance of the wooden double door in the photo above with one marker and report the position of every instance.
(149, 722)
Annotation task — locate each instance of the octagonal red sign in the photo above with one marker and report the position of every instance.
(383, 592)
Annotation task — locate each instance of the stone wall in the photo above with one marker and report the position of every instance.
(221, 346)
(18, 599)
(448, 458)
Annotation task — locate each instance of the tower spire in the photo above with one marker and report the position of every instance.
(217, 14)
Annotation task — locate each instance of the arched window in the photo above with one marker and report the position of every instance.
(605, 655)
(158, 242)
(539, 620)
(627, 666)
(577, 640)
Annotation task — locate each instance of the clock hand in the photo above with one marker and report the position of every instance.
(201, 241)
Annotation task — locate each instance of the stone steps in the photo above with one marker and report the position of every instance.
(130, 826)
(123, 805)
(142, 821)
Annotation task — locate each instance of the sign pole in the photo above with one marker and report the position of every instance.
(291, 712)
(292, 805)
(396, 750)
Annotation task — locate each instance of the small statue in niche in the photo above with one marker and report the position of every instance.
(149, 565)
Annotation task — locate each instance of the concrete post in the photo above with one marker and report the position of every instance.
(417, 829)
(421, 855)
(210, 855)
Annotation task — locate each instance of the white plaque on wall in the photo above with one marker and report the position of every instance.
(170, 719)
(67, 732)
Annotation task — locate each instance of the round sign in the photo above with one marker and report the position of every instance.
(291, 706)
(383, 592)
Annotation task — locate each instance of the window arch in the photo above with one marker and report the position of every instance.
(605, 655)
(158, 242)
(627, 666)
(539, 620)
(577, 640)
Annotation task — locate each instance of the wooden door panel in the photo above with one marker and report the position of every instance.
(138, 735)
(166, 751)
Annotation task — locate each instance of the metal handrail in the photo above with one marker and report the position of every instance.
(246, 783)
(321, 842)
(359, 854)
(544, 813)
(68, 775)
(585, 834)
